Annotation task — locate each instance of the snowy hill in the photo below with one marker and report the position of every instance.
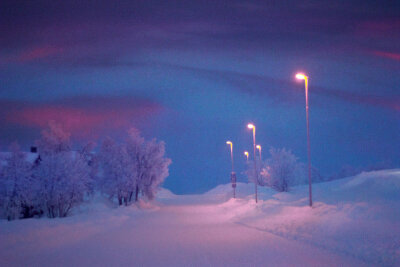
(354, 222)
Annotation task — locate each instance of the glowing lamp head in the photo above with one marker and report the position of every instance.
(228, 142)
(246, 153)
(250, 126)
(301, 76)
(258, 147)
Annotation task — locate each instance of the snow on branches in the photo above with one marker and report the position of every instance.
(280, 171)
(15, 182)
(132, 168)
(59, 178)
(62, 177)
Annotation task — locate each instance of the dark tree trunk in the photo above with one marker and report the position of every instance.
(120, 201)
(137, 193)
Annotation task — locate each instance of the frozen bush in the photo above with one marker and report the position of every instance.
(280, 169)
(15, 184)
(62, 177)
(132, 168)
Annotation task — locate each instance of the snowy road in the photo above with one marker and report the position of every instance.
(353, 223)
(174, 235)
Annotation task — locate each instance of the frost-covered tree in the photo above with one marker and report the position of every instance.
(54, 139)
(280, 169)
(62, 176)
(136, 152)
(151, 166)
(88, 155)
(132, 168)
(155, 168)
(15, 184)
(117, 177)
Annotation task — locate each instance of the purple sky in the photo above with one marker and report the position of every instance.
(194, 73)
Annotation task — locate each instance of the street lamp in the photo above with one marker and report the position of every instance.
(251, 126)
(231, 145)
(247, 156)
(233, 174)
(301, 76)
(259, 151)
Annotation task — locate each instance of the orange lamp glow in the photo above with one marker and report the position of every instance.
(301, 76)
(250, 126)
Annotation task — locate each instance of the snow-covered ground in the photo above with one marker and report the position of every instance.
(354, 222)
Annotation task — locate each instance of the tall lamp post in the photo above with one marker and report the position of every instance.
(233, 174)
(231, 147)
(247, 156)
(301, 76)
(259, 151)
(251, 126)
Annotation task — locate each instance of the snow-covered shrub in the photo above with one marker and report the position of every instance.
(132, 168)
(280, 169)
(62, 177)
(15, 185)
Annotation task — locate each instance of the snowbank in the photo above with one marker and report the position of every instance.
(357, 216)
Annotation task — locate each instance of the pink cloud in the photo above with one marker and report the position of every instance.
(389, 55)
(84, 116)
(32, 54)
(38, 53)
